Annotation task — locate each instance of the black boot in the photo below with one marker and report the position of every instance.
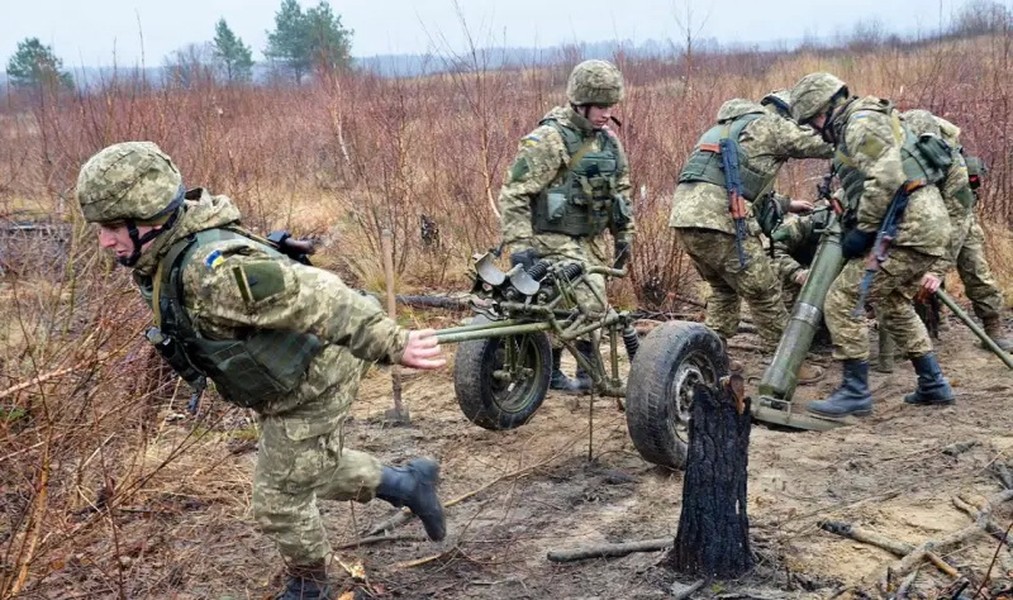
(414, 486)
(307, 583)
(852, 397)
(932, 388)
(559, 380)
(582, 377)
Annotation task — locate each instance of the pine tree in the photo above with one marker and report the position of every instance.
(302, 41)
(234, 56)
(287, 43)
(35, 64)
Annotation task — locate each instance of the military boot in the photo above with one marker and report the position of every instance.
(582, 377)
(993, 327)
(307, 583)
(933, 388)
(852, 397)
(414, 486)
(559, 380)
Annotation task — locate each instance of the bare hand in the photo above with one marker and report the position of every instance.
(930, 283)
(802, 276)
(800, 206)
(423, 350)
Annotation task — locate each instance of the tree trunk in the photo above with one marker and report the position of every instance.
(713, 536)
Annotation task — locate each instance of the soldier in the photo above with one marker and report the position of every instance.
(722, 240)
(570, 183)
(966, 250)
(881, 165)
(793, 247)
(277, 336)
(979, 284)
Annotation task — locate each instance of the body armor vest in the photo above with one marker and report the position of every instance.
(584, 203)
(705, 162)
(925, 159)
(260, 366)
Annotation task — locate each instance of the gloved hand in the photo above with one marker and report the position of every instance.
(856, 243)
(622, 251)
(526, 258)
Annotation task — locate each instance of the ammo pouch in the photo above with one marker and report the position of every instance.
(583, 205)
(928, 158)
(705, 163)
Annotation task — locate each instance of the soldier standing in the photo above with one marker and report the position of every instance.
(889, 182)
(568, 185)
(966, 250)
(723, 239)
(284, 339)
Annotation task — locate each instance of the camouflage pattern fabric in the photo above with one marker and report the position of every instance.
(979, 284)
(796, 236)
(230, 287)
(892, 291)
(127, 181)
(556, 247)
(768, 142)
(716, 259)
(872, 142)
(541, 163)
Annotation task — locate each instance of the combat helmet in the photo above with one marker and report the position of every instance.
(814, 94)
(595, 82)
(780, 101)
(134, 183)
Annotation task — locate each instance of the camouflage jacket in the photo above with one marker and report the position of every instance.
(768, 142)
(870, 140)
(541, 163)
(955, 188)
(222, 299)
(795, 243)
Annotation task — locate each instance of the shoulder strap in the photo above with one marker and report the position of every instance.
(574, 146)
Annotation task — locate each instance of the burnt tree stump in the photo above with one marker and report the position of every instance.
(713, 535)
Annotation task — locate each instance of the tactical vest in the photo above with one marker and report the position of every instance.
(584, 203)
(925, 159)
(260, 366)
(705, 163)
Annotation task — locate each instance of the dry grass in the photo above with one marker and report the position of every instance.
(81, 417)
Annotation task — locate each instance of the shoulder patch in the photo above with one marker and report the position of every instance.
(214, 259)
(530, 140)
(259, 280)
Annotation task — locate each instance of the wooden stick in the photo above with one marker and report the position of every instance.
(881, 541)
(606, 550)
(689, 591)
(388, 274)
(377, 539)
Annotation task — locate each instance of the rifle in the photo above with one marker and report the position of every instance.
(733, 184)
(884, 237)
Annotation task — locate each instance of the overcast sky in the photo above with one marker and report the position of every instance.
(93, 32)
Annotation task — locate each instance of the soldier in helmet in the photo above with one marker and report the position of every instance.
(722, 240)
(881, 165)
(284, 339)
(568, 185)
(965, 250)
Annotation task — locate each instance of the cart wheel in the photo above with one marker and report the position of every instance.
(500, 382)
(671, 361)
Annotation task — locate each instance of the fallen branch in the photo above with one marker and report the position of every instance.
(685, 591)
(895, 547)
(607, 550)
(377, 539)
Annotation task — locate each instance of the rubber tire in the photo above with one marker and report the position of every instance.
(652, 405)
(475, 387)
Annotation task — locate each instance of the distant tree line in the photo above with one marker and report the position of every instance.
(314, 41)
(302, 43)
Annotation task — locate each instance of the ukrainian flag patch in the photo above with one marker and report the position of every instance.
(530, 140)
(214, 259)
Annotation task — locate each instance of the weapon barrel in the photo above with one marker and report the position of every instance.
(978, 331)
(466, 333)
(781, 377)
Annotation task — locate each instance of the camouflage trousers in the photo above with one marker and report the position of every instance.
(292, 473)
(893, 288)
(979, 285)
(716, 259)
(556, 247)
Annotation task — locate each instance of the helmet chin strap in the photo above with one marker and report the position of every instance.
(139, 240)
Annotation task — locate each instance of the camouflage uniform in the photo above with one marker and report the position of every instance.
(235, 289)
(701, 219)
(568, 184)
(876, 157)
(541, 163)
(966, 250)
(871, 140)
(794, 245)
